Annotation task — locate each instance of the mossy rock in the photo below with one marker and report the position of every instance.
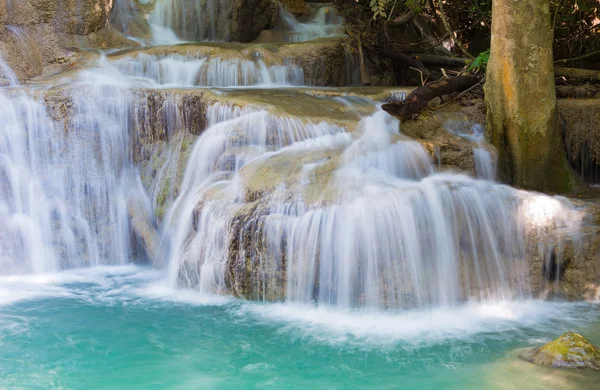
(570, 350)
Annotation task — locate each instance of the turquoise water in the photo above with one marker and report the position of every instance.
(116, 328)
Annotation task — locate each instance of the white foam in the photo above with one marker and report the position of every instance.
(416, 327)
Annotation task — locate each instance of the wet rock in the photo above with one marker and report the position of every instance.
(250, 17)
(144, 230)
(299, 8)
(570, 350)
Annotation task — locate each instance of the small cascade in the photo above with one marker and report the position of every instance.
(485, 164)
(326, 23)
(189, 71)
(235, 138)
(174, 21)
(7, 72)
(384, 231)
(64, 181)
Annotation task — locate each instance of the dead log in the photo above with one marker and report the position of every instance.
(406, 60)
(585, 91)
(574, 73)
(418, 99)
(428, 59)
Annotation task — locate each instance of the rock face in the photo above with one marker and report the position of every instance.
(38, 36)
(250, 17)
(79, 17)
(578, 119)
(570, 350)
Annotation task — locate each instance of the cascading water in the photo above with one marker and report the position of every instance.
(325, 23)
(8, 73)
(173, 21)
(66, 177)
(310, 198)
(392, 233)
(190, 71)
(474, 132)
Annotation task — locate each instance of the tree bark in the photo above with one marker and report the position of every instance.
(418, 99)
(521, 97)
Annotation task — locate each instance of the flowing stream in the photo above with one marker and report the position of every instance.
(141, 192)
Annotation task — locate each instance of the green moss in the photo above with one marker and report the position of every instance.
(164, 192)
(570, 350)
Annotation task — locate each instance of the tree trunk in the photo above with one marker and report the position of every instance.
(521, 97)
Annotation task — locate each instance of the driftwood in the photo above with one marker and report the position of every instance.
(418, 99)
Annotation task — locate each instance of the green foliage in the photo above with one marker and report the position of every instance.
(415, 5)
(480, 62)
(386, 9)
(378, 7)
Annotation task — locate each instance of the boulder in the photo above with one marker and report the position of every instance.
(570, 350)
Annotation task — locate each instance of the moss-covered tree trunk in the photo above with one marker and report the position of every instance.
(521, 98)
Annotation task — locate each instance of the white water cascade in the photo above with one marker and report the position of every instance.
(190, 71)
(325, 23)
(386, 231)
(173, 21)
(283, 196)
(63, 193)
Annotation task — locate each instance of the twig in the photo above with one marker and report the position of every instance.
(418, 70)
(451, 33)
(558, 7)
(583, 57)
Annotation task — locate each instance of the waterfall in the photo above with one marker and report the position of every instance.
(189, 71)
(386, 231)
(65, 180)
(326, 23)
(8, 73)
(283, 197)
(173, 21)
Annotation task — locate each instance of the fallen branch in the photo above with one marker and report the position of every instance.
(574, 73)
(585, 91)
(402, 19)
(583, 57)
(406, 60)
(428, 59)
(418, 99)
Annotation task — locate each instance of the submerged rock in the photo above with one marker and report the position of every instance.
(570, 350)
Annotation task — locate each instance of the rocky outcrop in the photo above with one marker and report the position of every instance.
(570, 350)
(79, 17)
(250, 17)
(43, 36)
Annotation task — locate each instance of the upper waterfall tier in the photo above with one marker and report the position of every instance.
(175, 21)
(320, 63)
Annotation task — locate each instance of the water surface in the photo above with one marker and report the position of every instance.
(121, 327)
